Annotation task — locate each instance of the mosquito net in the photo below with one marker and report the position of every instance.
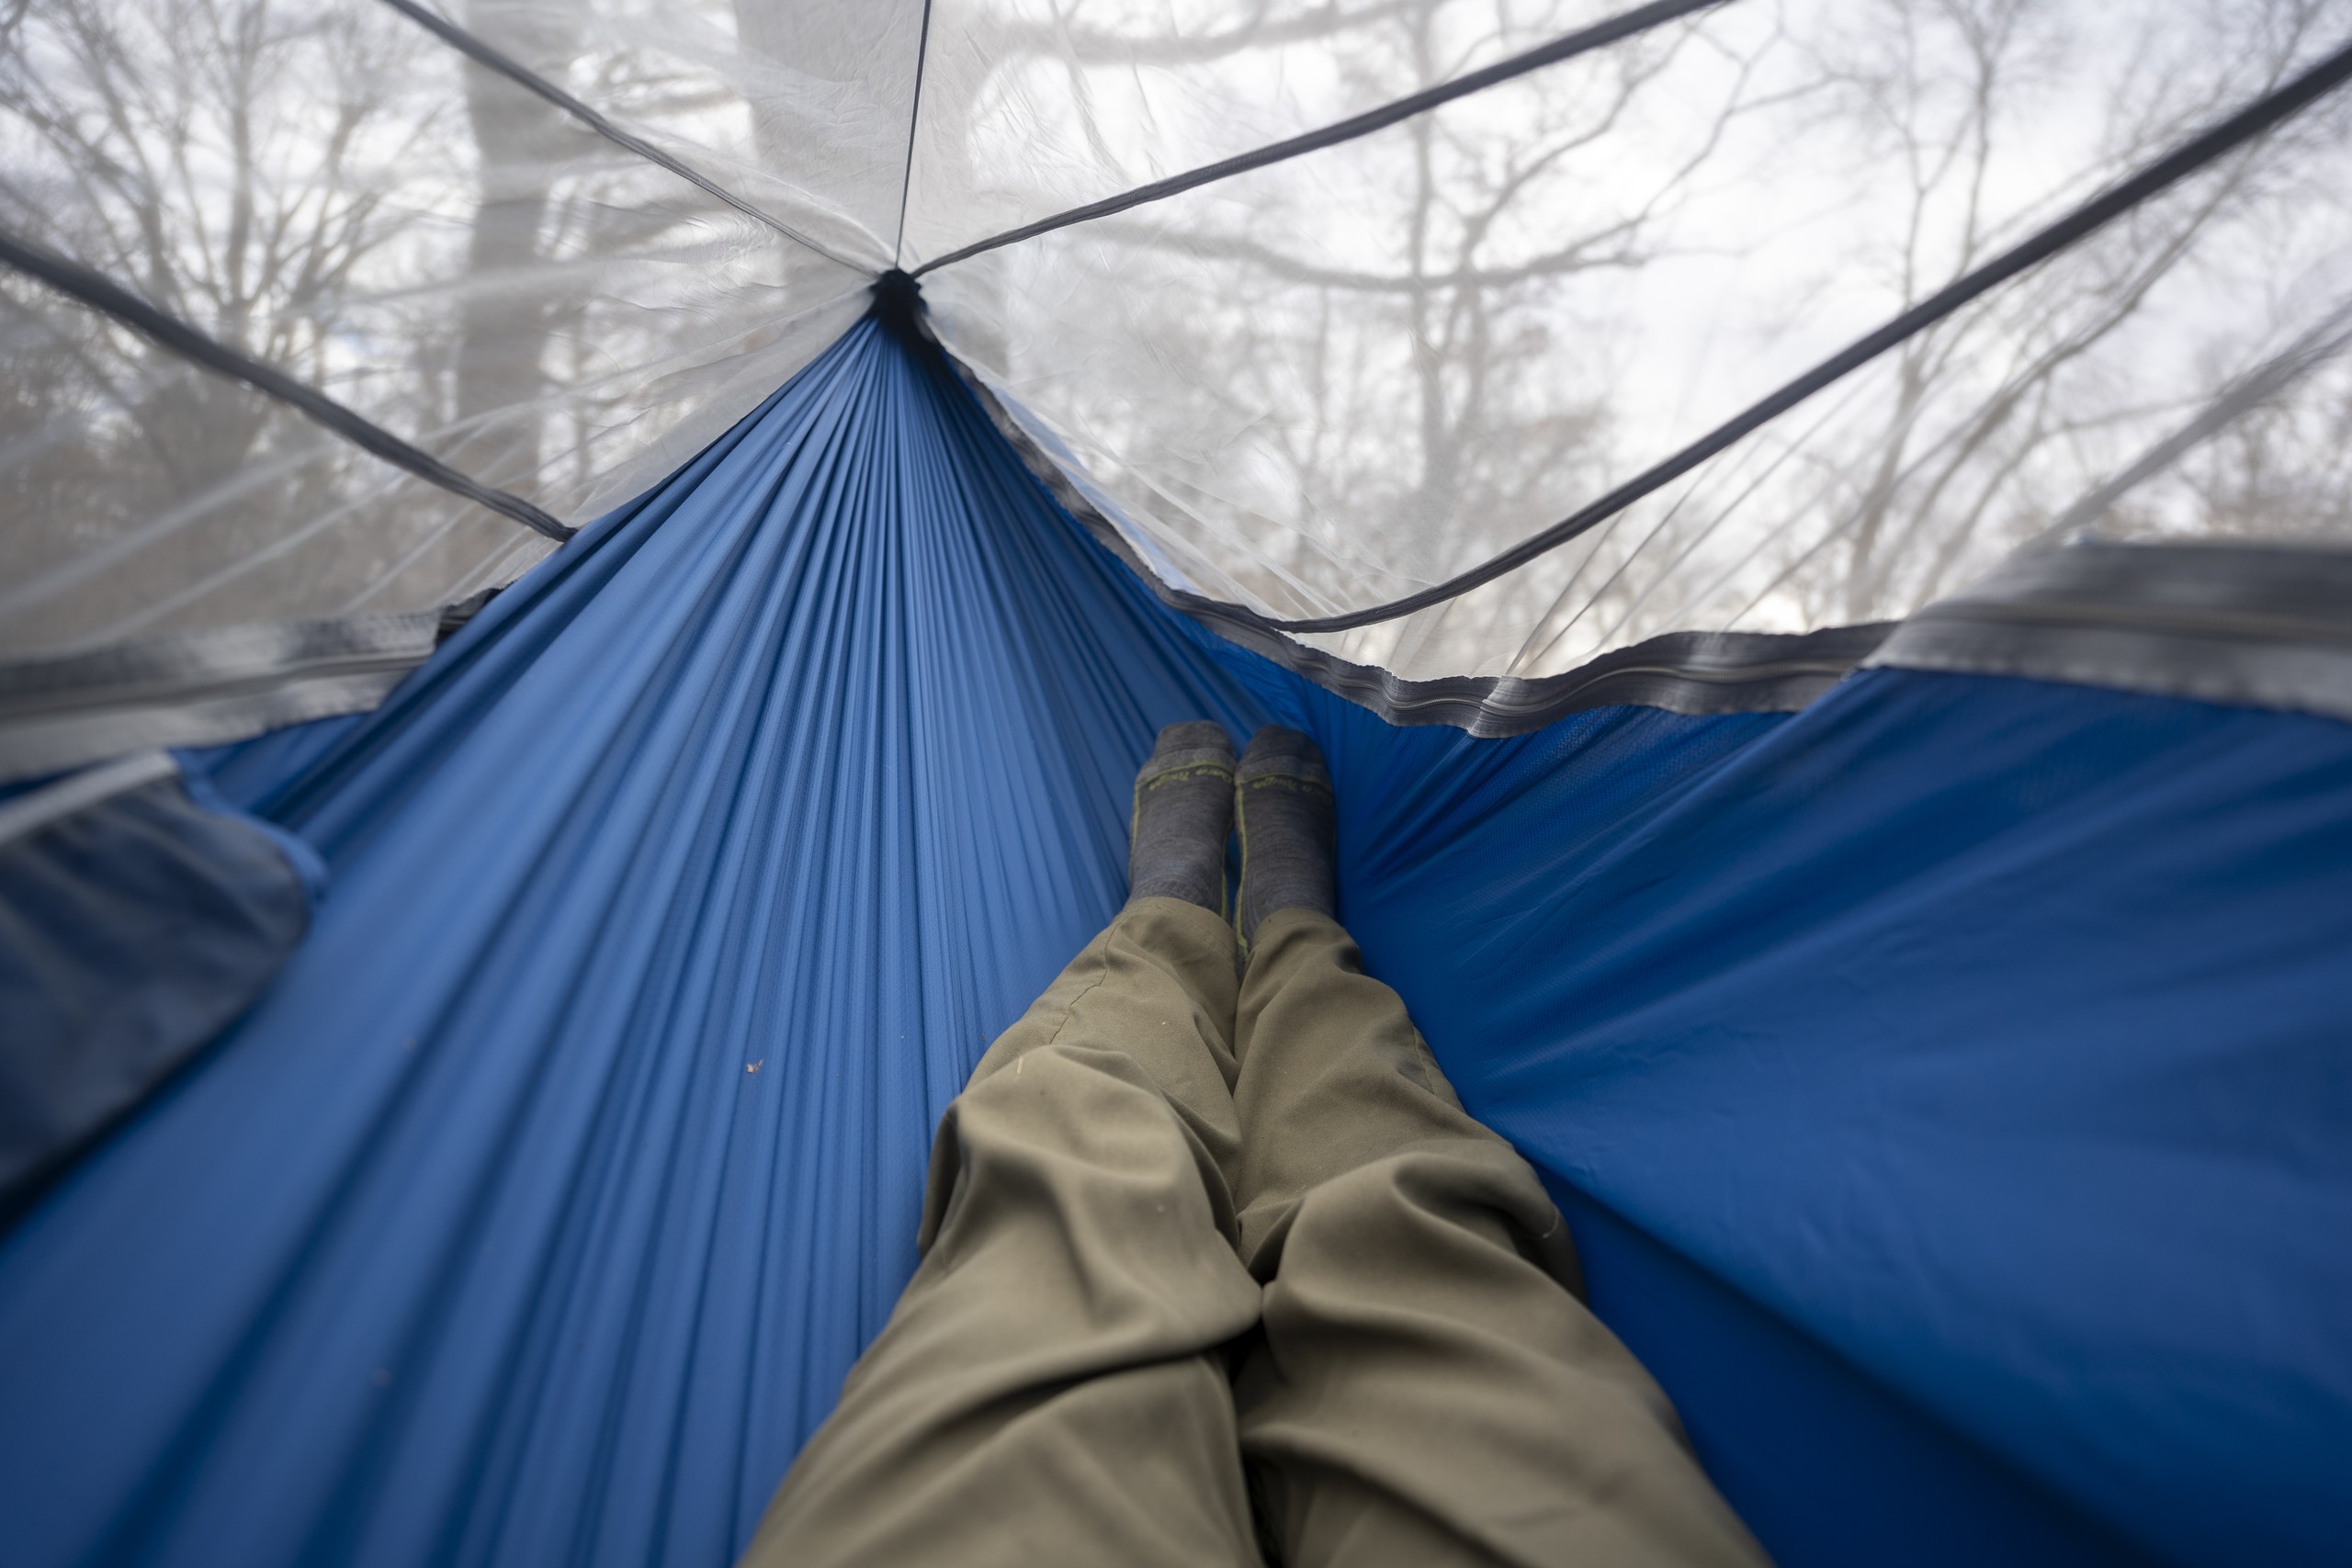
(735, 485)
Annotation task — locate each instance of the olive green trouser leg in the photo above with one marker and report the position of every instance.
(1052, 1388)
(1426, 1389)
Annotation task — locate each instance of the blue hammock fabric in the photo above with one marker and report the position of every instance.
(132, 930)
(1946, 1083)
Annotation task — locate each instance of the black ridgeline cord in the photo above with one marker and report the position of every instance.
(914, 118)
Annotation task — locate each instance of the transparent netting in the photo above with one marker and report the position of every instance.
(1330, 382)
(324, 186)
(800, 107)
(1033, 107)
(1313, 387)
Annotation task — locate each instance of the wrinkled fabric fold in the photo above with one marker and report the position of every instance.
(1413, 1384)
(1890, 1057)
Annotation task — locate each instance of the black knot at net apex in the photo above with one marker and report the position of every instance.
(898, 301)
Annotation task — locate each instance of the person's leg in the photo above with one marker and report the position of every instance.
(1052, 1388)
(1427, 1389)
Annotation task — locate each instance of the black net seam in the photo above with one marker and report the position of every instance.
(2224, 137)
(102, 294)
(914, 119)
(1568, 46)
(521, 76)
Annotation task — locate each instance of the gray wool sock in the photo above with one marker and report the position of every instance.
(1183, 814)
(1284, 801)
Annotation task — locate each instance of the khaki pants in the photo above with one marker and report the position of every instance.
(1195, 1241)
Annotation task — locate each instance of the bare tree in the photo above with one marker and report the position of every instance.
(236, 162)
(285, 174)
(1353, 389)
(504, 322)
(1402, 388)
(1340, 379)
(1978, 400)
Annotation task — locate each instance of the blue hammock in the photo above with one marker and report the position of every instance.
(1947, 1083)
